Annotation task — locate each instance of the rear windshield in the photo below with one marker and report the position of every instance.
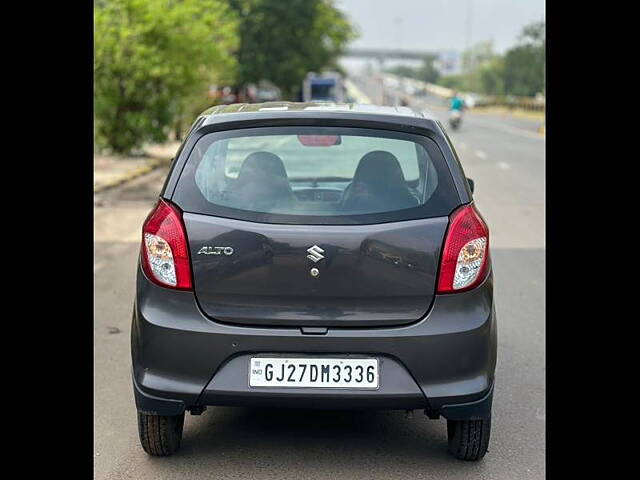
(316, 175)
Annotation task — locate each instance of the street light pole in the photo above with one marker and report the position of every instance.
(468, 31)
(398, 22)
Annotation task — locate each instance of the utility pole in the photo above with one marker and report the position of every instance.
(398, 22)
(468, 31)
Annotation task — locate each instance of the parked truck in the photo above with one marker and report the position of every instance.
(328, 86)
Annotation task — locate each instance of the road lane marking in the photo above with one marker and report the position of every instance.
(513, 130)
(481, 154)
(504, 166)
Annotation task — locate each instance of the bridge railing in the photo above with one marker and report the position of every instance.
(512, 102)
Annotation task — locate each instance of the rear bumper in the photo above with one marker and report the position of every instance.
(443, 363)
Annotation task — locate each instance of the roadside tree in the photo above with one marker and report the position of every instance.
(152, 59)
(283, 41)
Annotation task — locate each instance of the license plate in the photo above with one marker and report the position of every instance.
(313, 372)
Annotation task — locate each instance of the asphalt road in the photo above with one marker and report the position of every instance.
(506, 160)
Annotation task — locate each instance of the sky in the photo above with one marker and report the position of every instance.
(440, 24)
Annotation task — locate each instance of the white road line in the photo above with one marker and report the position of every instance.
(481, 154)
(504, 166)
(513, 130)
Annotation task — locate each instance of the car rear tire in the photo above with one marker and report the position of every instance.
(160, 435)
(469, 439)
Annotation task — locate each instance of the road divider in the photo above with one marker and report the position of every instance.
(355, 93)
(129, 175)
(110, 172)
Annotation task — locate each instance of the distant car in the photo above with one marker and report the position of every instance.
(264, 95)
(391, 82)
(471, 100)
(267, 94)
(410, 89)
(315, 255)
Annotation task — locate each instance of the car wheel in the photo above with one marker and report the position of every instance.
(160, 435)
(469, 439)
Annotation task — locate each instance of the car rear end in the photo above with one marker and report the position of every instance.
(316, 260)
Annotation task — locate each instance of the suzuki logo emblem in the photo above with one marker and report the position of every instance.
(315, 253)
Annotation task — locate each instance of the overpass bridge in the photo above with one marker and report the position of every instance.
(382, 54)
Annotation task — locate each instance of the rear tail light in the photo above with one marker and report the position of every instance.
(165, 252)
(465, 256)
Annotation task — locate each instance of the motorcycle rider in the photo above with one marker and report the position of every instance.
(457, 103)
(456, 108)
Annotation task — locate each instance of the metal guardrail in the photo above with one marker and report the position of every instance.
(508, 101)
(523, 103)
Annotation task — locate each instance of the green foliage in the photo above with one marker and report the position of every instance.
(520, 72)
(456, 82)
(524, 64)
(491, 77)
(152, 58)
(427, 72)
(477, 55)
(404, 71)
(282, 41)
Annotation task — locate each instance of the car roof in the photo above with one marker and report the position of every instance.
(236, 111)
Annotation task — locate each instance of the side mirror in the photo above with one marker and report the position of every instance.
(472, 184)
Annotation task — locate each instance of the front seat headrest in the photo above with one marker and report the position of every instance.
(262, 182)
(261, 165)
(378, 185)
(378, 169)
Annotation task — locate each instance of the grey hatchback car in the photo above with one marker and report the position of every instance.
(315, 255)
